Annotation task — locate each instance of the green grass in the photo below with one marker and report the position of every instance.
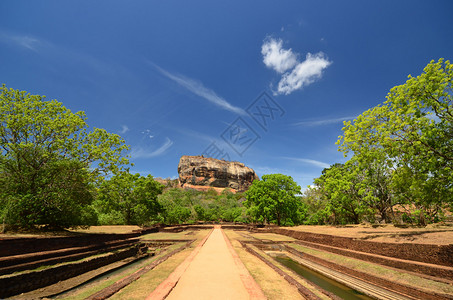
(167, 236)
(272, 236)
(44, 267)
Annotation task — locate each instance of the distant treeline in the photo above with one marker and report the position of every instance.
(57, 173)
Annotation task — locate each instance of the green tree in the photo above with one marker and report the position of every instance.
(274, 199)
(341, 186)
(189, 206)
(318, 208)
(132, 196)
(49, 160)
(226, 207)
(177, 206)
(58, 197)
(359, 188)
(416, 118)
(375, 170)
(426, 201)
(414, 128)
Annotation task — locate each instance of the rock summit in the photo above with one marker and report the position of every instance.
(202, 173)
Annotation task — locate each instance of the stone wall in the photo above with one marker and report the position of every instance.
(17, 284)
(433, 254)
(16, 246)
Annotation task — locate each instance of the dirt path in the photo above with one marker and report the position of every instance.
(212, 271)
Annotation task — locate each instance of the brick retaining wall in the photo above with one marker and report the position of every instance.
(16, 246)
(433, 254)
(13, 285)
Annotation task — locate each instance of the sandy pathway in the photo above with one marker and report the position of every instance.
(213, 271)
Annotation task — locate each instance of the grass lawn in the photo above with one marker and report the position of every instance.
(436, 234)
(109, 229)
(183, 235)
(272, 237)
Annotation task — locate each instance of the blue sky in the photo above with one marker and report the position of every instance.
(267, 83)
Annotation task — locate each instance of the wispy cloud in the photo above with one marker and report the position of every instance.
(196, 134)
(302, 178)
(60, 55)
(140, 152)
(207, 139)
(124, 129)
(263, 170)
(324, 121)
(24, 41)
(199, 89)
(282, 60)
(27, 42)
(312, 162)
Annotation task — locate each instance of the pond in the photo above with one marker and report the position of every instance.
(322, 281)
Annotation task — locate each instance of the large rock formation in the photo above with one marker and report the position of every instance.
(202, 173)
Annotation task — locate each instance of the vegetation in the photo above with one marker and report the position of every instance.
(57, 173)
(402, 154)
(274, 199)
(50, 162)
(190, 206)
(128, 199)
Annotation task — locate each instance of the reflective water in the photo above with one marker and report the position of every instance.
(106, 275)
(324, 282)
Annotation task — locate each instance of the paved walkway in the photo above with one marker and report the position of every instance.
(212, 271)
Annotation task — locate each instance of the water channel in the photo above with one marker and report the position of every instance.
(322, 281)
(135, 264)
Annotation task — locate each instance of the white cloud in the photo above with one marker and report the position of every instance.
(124, 129)
(296, 74)
(25, 41)
(302, 178)
(147, 133)
(324, 122)
(140, 152)
(277, 58)
(263, 170)
(303, 74)
(313, 162)
(57, 55)
(199, 89)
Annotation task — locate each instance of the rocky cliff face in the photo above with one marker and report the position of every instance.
(202, 173)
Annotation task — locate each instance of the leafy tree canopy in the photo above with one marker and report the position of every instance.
(402, 154)
(274, 199)
(49, 160)
(414, 126)
(131, 196)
